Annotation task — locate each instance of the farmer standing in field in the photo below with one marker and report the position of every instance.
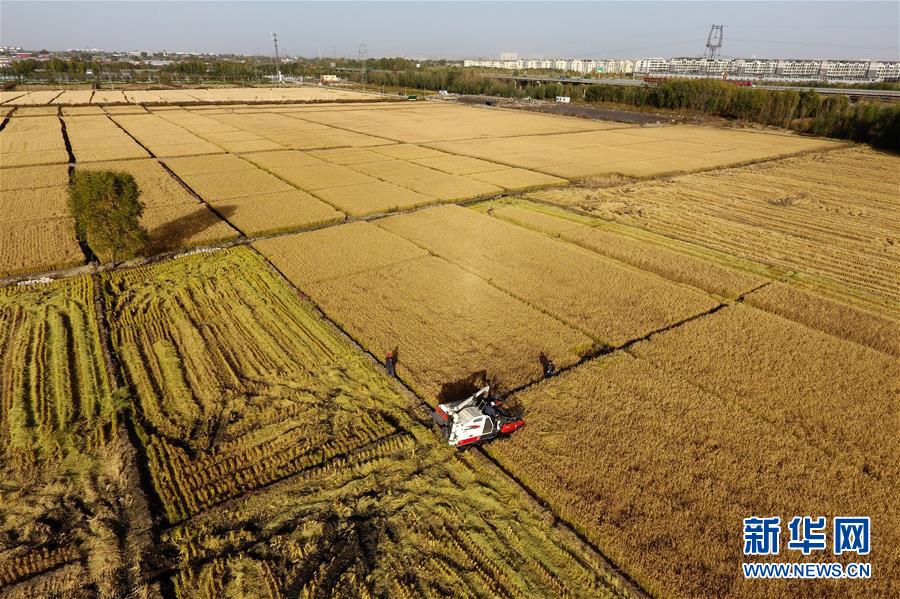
(390, 362)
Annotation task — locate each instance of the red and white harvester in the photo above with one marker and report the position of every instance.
(474, 420)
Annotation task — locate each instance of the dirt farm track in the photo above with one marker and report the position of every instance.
(212, 419)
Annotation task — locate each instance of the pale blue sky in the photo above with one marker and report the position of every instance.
(462, 29)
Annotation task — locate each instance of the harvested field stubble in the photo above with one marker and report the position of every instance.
(48, 401)
(299, 465)
(673, 469)
(611, 302)
(64, 479)
(680, 266)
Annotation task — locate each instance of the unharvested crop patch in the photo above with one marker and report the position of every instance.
(252, 199)
(373, 198)
(452, 188)
(96, 138)
(32, 177)
(336, 252)
(611, 302)
(828, 315)
(833, 394)
(632, 151)
(163, 138)
(452, 329)
(36, 232)
(288, 466)
(32, 140)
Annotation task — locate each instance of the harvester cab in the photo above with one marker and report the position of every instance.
(475, 420)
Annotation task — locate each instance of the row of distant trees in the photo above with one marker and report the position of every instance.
(251, 69)
(877, 123)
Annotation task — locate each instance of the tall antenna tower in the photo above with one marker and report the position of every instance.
(277, 59)
(363, 56)
(714, 41)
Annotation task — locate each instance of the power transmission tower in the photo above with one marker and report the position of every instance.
(714, 41)
(277, 59)
(363, 56)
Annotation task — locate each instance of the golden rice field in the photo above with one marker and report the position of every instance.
(452, 329)
(659, 466)
(318, 164)
(831, 218)
(286, 465)
(36, 231)
(727, 334)
(608, 301)
(95, 138)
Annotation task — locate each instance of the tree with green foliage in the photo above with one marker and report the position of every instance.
(107, 209)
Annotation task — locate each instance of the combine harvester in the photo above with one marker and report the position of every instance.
(474, 420)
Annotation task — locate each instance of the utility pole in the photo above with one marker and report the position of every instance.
(363, 56)
(277, 60)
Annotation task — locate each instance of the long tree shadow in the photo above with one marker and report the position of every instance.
(182, 231)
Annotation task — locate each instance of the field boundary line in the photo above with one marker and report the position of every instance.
(86, 251)
(416, 403)
(51, 100)
(90, 268)
(604, 346)
(7, 116)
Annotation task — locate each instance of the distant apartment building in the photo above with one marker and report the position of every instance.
(846, 69)
(799, 68)
(734, 68)
(885, 71)
(756, 67)
(651, 65)
(615, 67)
